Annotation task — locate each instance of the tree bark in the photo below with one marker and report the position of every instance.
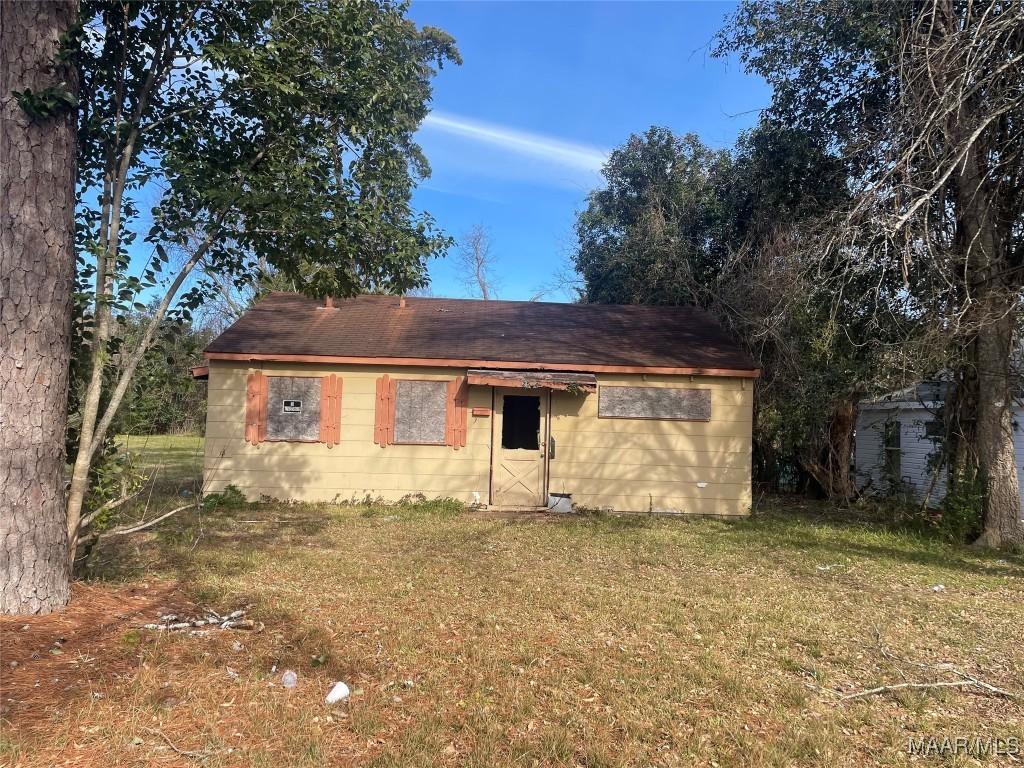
(992, 319)
(844, 422)
(829, 467)
(37, 206)
(994, 430)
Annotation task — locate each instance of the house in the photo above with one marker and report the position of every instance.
(898, 442)
(513, 405)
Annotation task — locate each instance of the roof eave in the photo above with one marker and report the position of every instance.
(421, 362)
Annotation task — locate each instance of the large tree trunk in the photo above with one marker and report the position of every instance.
(994, 430)
(37, 258)
(37, 205)
(992, 319)
(844, 422)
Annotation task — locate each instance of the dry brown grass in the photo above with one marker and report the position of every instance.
(591, 641)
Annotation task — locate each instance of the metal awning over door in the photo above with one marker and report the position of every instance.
(580, 382)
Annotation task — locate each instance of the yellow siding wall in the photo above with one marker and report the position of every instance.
(355, 468)
(640, 465)
(623, 464)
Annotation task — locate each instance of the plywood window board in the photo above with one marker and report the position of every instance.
(421, 412)
(663, 403)
(293, 409)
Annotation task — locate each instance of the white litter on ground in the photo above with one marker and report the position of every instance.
(338, 693)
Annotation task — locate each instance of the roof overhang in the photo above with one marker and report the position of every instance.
(201, 372)
(506, 365)
(576, 382)
(901, 405)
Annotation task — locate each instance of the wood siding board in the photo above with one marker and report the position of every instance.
(338, 391)
(380, 413)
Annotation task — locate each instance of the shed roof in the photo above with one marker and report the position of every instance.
(493, 334)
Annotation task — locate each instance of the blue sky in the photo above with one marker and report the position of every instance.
(518, 133)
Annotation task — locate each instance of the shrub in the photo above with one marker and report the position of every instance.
(230, 498)
(961, 510)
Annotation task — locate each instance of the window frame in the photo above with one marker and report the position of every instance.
(892, 427)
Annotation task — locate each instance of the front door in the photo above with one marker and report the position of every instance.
(517, 457)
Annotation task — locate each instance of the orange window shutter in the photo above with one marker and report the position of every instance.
(261, 431)
(458, 398)
(330, 410)
(255, 408)
(449, 415)
(389, 413)
(251, 408)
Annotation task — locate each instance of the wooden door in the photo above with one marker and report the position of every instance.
(518, 471)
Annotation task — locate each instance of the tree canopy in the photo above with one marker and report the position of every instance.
(222, 137)
(923, 104)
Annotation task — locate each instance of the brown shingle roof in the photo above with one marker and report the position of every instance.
(541, 334)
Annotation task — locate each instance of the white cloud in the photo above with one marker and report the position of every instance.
(567, 154)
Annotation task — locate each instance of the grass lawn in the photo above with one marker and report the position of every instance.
(173, 460)
(466, 640)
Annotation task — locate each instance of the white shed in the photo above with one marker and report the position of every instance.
(898, 441)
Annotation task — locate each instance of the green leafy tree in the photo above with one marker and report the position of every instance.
(922, 103)
(221, 135)
(660, 230)
(680, 223)
(164, 397)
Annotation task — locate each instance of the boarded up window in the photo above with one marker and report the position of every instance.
(421, 410)
(654, 403)
(293, 408)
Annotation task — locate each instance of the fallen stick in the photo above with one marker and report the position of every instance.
(125, 530)
(233, 620)
(920, 686)
(967, 678)
(183, 752)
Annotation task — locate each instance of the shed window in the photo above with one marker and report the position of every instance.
(293, 408)
(421, 412)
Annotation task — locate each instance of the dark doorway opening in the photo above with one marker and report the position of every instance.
(520, 422)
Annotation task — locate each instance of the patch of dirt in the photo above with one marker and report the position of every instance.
(48, 662)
